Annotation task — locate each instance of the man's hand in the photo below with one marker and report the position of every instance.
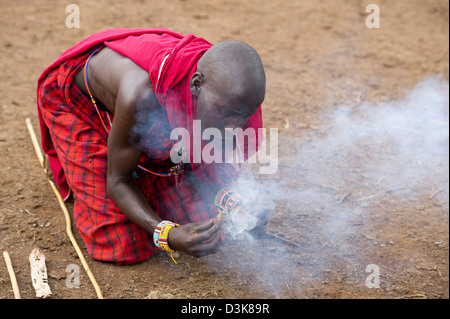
(197, 240)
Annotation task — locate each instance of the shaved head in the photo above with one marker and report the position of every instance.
(237, 67)
(229, 84)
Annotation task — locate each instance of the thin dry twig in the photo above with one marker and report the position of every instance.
(435, 193)
(12, 275)
(283, 239)
(366, 198)
(381, 206)
(343, 198)
(29, 213)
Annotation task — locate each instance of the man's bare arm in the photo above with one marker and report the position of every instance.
(123, 157)
(123, 86)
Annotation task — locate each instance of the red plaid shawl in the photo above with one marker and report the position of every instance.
(75, 141)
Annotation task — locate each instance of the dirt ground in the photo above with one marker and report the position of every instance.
(317, 54)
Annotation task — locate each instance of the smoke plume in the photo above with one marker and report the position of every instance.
(393, 149)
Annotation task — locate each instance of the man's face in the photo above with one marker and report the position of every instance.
(221, 113)
(220, 108)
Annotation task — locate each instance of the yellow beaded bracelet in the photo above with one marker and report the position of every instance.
(163, 239)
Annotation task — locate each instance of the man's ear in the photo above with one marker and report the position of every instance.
(196, 83)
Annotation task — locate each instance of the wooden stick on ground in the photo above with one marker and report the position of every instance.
(12, 275)
(282, 239)
(64, 209)
(39, 274)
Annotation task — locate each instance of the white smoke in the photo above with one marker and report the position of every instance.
(394, 145)
(390, 148)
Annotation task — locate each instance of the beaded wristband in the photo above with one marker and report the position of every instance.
(161, 234)
(158, 230)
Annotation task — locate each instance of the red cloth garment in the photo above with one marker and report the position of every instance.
(81, 48)
(171, 62)
(80, 142)
(76, 142)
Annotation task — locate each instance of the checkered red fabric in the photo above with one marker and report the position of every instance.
(80, 143)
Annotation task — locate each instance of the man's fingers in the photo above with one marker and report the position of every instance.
(210, 247)
(204, 235)
(200, 227)
(196, 239)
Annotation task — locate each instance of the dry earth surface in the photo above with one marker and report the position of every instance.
(318, 55)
